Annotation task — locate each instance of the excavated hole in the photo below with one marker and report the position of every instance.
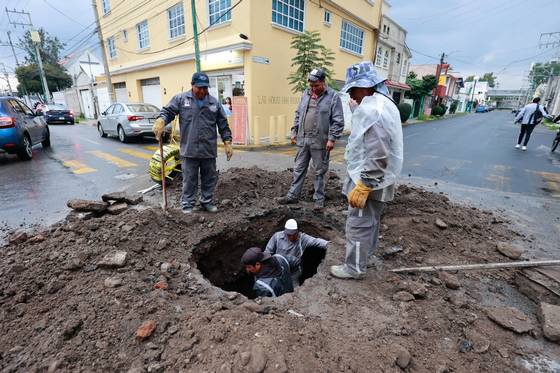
(218, 258)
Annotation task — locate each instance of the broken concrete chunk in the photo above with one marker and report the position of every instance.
(18, 237)
(113, 282)
(116, 259)
(403, 296)
(450, 281)
(117, 208)
(441, 224)
(510, 250)
(510, 318)
(415, 288)
(122, 197)
(83, 205)
(549, 316)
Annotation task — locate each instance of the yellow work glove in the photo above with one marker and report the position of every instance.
(229, 149)
(158, 127)
(358, 196)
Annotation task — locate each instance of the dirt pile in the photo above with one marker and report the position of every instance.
(135, 292)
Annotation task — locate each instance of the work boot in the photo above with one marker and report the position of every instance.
(286, 200)
(187, 210)
(341, 271)
(318, 206)
(210, 208)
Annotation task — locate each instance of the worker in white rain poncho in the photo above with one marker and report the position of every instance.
(374, 157)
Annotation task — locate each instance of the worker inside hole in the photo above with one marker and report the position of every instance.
(273, 273)
(291, 241)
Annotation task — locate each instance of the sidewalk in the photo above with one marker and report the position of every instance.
(431, 119)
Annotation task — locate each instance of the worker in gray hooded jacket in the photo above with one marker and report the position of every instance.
(292, 242)
(318, 123)
(199, 116)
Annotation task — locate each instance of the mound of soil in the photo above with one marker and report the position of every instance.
(148, 291)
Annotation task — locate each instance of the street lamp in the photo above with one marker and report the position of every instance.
(474, 87)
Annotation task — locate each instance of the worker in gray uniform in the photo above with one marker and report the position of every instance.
(374, 158)
(199, 116)
(318, 123)
(292, 242)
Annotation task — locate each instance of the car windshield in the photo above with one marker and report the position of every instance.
(56, 107)
(142, 108)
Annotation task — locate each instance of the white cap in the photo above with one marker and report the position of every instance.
(291, 225)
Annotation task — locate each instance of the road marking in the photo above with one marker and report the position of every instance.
(551, 180)
(78, 167)
(152, 148)
(135, 153)
(119, 162)
(91, 141)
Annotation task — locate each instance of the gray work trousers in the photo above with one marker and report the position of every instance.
(362, 235)
(321, 164)
(208, 180)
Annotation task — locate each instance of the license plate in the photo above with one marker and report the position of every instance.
(151, 120)
(61, 118)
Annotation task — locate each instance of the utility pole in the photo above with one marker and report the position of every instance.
(195, 36)
(7, 77)
(12, 46)
(36, 38)
(104, 55)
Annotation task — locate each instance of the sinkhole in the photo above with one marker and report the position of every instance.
(218, 257)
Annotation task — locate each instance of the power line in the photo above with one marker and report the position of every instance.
(64, 14)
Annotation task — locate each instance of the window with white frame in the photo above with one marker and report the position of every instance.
(351, 38)
(378, 58)
(403, 68)
(327, 18)
(176, 21)
(111, 47)
(106, 6)
(219, 11)
(143, 35)
(125, 36)
(386, 59)
(288, 13)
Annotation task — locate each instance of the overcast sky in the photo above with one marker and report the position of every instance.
(499, 36)
(480, 35)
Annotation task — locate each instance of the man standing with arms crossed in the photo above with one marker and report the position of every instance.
(374, 157)
(318, 123)
(199, 116)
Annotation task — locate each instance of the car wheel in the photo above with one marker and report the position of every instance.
(26, 151)
(122, 136)
(100, 130)
(47, 141)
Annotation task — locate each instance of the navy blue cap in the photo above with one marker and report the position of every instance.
(316, 74)
(200, 80)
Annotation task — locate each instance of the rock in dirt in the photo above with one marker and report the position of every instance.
(480, 343)
(510, 250)
(510, 318)
(549, 316)
(465, 346)
(441, 224)
(403, 296)
(113, 282)
(402, 356)
(74, 264)
(415, 288)
(71, 328)
(117, 208)
(18, 237)
(83, 205)
(258, 359)
(115, 259)
(122, 197)
(146, 329)
(450, 281)
(37, 239)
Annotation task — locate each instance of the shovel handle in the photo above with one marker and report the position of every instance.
(164, 189)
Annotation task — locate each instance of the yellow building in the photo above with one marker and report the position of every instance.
(245, 50)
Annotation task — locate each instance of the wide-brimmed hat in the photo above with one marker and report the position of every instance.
(363, 75)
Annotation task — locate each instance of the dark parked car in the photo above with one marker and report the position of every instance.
(55, 113)
(21, 128)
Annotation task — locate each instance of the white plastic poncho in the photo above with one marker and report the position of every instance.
(375, 110)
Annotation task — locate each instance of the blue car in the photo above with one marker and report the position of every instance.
(481, 109)
(21, 128)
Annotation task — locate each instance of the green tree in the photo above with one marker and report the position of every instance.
(420, 87)
(542, 71)
(490, 78)
(310, 53)
(28, 74)
(470, 78)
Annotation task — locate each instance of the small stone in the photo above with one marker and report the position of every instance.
(549, 316)
(390, 251)
(232, 296)
(115, 259)
(156, 368)
(73, 264)
(146, 329)
(449, 280)
(225, 368)
(510, 318)
(113, 282)
(117, 208)
(201, 219)
(211, 224)
(72, 328)
(512, 251)
(162, 285)
(403, 296)
(173, 329)
(415, 288)
(441, 224)
(258, 359)
(37, 239)
(152, 346)
(480, 343)
(114, 197)
(225, 202)
(54, 365)
(435, 281)
(465, 346)
(245, 357)
(162, 243)
(402, 357)
(134, 200)
(55, 286)
(83, 205)
(18, 237)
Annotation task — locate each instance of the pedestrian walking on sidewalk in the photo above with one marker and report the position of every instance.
(199, 116)
(374, 158)
(318, 123)
(530, 116)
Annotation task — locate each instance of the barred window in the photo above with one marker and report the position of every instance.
(351, 38)
(386, 60)
(379, 57)
(219, 11)
(143, 35)
(106, 6)
(176, 20)
(111, 47)
(288, 13)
